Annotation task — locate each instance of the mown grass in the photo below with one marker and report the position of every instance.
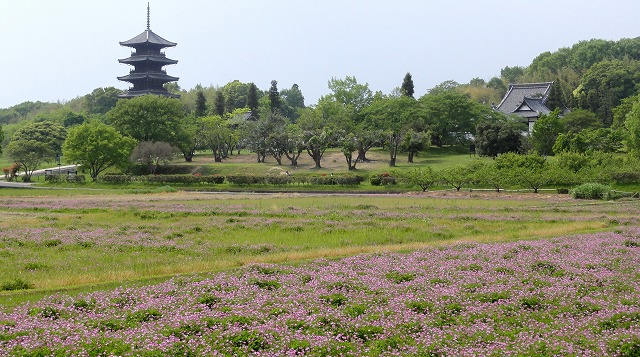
(65, 239)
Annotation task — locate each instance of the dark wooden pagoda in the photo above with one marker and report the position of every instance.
(147, 76)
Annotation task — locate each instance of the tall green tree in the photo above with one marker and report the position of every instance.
(235, 95)
(101, 100)
(414, 142)
(216, 135)
(253, 101)
(512, 74)
(407, 88)
(97, 147)
(46, 132)
(632, 123)
(319, 126)
(149, 118)
(498, 137)
(29, 154)
(292, 101)
(578, 120)
(605, 84)
(350, 93)
(201, 104)
(275, 102)
(545, 132)
(219, 106)
(395, 116)
(450, 115)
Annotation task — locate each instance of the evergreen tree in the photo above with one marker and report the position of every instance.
(201, 104)
(274, 97)
(252, 100)
(219, 104)
(407, 89)
(554, 100)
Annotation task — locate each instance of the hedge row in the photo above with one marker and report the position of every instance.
(184, 179)
(237, 179)
(297, 179)
(64, 178)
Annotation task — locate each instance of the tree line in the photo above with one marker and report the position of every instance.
(597, 79)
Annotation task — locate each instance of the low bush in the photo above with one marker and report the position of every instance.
(383, 179)
(164, 179)
(119, 179)
(64, 178)
(17, 284)
(591, 191)
(246, 179)
(626, 177)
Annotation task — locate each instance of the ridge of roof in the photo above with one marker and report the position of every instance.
(148, 36)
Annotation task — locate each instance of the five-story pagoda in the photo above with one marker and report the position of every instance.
(147, 76)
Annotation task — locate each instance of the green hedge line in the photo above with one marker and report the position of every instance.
(64, 178)
(183, 179)
(346, 180)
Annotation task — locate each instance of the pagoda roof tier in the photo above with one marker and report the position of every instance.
(137, 93)
(133, 76)
(147, 58)
(148, 37)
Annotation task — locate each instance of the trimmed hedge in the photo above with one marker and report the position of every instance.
(65, 178)
(626, 177)
(384, 179)
(164, 179)
(345, 180)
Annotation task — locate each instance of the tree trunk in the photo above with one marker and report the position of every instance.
(410, 158)
(362, 155)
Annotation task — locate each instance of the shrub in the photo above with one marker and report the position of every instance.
(278, 179)
(215, 179)
(383, 179)
(626, 177)
(591, 191)
(17, 284)
(348, 180)
(119, 179)
(245, 179)
(64, 178)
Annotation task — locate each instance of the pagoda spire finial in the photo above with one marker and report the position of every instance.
(148, 17)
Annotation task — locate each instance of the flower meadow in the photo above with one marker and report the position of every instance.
(572, 296)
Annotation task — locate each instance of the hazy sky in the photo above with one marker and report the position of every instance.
(58, 50)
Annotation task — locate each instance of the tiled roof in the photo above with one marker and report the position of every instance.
(132, 93)
(144, 58)
(152, 75)
(518, 92)
(148, 36)
(537, 105)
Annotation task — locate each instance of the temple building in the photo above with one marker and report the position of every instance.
(147, 75)
(528, 100)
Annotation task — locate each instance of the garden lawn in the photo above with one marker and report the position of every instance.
(571, 296)
(59, 239)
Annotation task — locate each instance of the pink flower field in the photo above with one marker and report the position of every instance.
(572, 296)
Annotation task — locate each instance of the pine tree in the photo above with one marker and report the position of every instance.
(407, 89)
(201, 104)
(219, 105)
(274, 97)
(554, 100)
(252, 100)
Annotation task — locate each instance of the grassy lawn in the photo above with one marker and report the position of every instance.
(333, 161)
(54, 240)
